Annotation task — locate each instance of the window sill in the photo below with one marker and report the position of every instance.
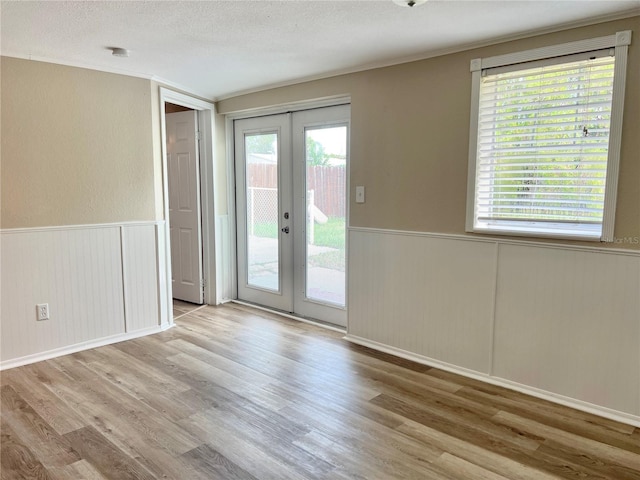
(533, 232)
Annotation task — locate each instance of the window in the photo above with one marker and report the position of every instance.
(545, 140)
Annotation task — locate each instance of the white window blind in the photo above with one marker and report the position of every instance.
(542, 145)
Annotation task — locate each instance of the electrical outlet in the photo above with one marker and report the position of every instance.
(42, 311)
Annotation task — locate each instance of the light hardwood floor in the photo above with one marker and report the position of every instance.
(235, 393)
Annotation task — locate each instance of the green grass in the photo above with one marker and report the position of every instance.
(330, 234)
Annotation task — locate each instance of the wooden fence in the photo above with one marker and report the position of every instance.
(328, 183)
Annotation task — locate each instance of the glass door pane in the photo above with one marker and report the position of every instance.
(261, 157)
(326, 174)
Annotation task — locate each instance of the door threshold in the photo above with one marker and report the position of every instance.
(310, 321)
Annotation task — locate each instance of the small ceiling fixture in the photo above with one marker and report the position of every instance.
(409, 3)
(119, 52)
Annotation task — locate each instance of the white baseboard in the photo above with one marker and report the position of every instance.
(78, 347)
(621, 417)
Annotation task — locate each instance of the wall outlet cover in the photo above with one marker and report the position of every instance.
(42, 311)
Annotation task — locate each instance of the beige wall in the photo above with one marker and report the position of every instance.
(410, 135)
(77, 146)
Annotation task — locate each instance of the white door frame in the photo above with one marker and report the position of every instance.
(230, 280)
(206, 122)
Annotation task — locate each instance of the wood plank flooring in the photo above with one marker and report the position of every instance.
(235, 393)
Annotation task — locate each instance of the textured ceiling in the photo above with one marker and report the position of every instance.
(220, 48)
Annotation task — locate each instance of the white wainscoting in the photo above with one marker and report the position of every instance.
(101, 283)
(225, 252)
(555, 321)
(569, 322)
(139, 262)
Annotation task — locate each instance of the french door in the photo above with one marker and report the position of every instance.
(291, 189)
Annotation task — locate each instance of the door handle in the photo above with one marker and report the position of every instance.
(285, 229)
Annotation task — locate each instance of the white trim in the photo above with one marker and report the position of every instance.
(81, 227)
(332, 101)
(165, 304)
(309, 321)
(232, 226)
(550, 61)
(185, 100)
(476, 64)
(168, 293)
(78, 347)
(518, 387)
(207, 175)
(521, 231)
(501, 241)
(472, 171)
(551, 51)
(615, 137)
(623, 38)
(188, 92)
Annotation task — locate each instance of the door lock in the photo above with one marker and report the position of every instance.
(286, 215)
(285, 229)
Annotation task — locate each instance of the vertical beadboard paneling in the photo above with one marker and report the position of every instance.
(558, 322)
(140, 275)
(224, 254)
(568, 322)
(426, 295)
(86, 273)
(78, 272)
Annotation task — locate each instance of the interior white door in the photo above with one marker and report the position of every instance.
(184, 206)
(291, 211)
(263, 210)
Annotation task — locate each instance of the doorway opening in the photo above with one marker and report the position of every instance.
(291, 211)
(189, 210)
